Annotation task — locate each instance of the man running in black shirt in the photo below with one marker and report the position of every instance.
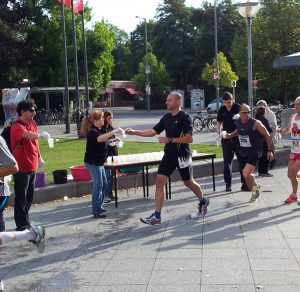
(179, 130)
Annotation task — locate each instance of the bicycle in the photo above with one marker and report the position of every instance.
(208, 122)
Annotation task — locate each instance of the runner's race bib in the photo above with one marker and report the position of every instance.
(184, 161)
(295, 147)
(245, 141)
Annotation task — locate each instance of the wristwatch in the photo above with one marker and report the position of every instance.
(170, 140)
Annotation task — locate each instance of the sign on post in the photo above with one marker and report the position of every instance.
(233, 85)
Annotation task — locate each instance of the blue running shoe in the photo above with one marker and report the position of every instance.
(202, 206)
(152, 220)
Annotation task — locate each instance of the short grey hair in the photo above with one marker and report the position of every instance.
(262, 103)
(177, 95)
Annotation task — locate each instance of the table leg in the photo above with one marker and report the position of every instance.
(147, 180)
(116, 187)
(144, 189)
(169, 187)
(213, 174)
(166, 191)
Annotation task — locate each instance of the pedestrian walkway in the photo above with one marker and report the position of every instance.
(238, 246)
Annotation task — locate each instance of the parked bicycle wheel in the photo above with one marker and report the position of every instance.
(212, 124)
(198, 124)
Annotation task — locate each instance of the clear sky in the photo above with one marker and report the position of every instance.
(121, 13)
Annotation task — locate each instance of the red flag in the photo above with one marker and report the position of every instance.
(66, 2)
(77, 6)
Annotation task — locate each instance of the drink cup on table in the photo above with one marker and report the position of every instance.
(50, 142)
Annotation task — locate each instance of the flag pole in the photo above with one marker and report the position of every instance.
(65, 60)
(86, 72)
(76, 69)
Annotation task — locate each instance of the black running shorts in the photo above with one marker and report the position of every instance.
(169, 164)
(248, 160)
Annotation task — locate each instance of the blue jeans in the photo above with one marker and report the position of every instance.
(99, 186)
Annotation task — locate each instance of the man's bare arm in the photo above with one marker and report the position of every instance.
(142, 133)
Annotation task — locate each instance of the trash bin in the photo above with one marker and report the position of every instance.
(60, 176)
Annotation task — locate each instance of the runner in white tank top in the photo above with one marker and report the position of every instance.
(294, 160)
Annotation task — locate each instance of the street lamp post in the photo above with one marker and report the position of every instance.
(217, 73)
(248, 10)
(147, 68)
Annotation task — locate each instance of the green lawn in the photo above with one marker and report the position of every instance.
(68, 152)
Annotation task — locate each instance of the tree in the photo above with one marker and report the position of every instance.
(173, 43)
(159, 78)
(275, 32)
(101, 44)
(122, 69)
(226, 73)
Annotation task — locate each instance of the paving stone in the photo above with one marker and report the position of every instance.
(177, 265)
(173, 288)
(175, 277)
(226, 277)
(277, 277)
(228, 288)
(274, 265)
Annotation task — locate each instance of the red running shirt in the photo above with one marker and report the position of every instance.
(25, 151)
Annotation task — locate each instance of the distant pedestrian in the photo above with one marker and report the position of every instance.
(25, 148)
(178, 130)
(250, 133)
(263, 161)
(263, 166)
(226, 121)
(293, 128)
(95, 156)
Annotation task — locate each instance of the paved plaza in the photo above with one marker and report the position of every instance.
(238, 246)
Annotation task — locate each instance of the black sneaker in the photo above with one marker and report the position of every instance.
(101, 215)
(245, 188)
(228, 188)
(266, 174)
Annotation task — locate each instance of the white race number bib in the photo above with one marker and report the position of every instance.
(245, 141)
(184, 161)
(295, 147)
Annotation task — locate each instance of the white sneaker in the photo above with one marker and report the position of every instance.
(39, 241)
(1, 286)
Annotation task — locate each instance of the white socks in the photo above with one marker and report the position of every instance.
(6, 237)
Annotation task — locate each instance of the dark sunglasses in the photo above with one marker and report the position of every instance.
(32, 110)
(245, 112)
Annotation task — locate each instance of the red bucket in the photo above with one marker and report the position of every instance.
(80, 173)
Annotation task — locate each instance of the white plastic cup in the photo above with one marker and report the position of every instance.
(120, 144)
(223, 134)
(50, 142)
(109, 159)
(194, 151)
